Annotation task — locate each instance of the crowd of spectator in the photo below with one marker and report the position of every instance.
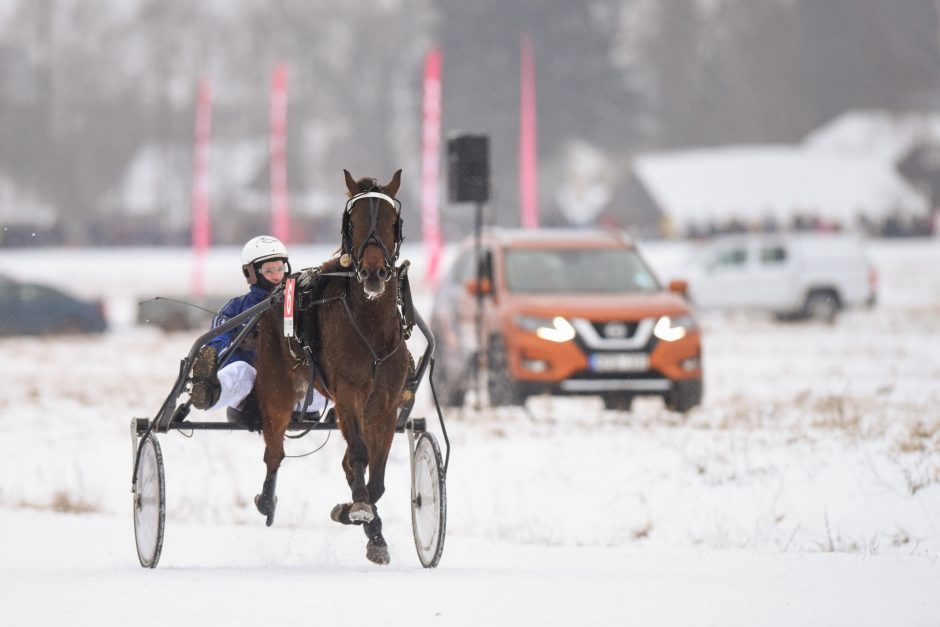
(891, 226)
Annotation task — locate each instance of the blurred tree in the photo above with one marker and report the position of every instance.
(867, 54)
(579, 95)
(85, 85)
(355, 90)
(104, 79)
(772, 70)
(679, 87)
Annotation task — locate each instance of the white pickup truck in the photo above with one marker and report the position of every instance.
(792, 275)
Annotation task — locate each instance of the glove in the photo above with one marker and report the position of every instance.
(308, 277)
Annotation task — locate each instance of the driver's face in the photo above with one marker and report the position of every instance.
(273, 271)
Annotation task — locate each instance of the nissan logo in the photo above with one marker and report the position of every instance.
(615, 330)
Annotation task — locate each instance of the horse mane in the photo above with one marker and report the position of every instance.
(333, 264)
(366, 184)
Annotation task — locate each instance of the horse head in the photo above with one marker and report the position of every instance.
(372, 231)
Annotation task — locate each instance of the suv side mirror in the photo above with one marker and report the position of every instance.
(479, 286)
(679, 286)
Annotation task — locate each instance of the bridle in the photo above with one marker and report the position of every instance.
(372, 237)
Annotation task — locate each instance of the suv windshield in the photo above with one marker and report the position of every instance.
(605, 271)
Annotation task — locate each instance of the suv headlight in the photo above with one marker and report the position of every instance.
(556, 329)
(672, 329)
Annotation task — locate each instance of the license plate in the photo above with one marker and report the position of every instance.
(619, 362)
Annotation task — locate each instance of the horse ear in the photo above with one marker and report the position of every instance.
(351, 184)
(391, 188)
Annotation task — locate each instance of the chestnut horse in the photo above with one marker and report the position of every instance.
(361, 356)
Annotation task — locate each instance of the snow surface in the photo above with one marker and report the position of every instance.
(805, 491)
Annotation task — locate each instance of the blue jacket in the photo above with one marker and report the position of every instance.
(245, 351)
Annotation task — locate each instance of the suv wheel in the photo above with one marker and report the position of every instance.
(450, 391)
(821, 306)
(684, 395)
(503, 389)
(618, 402)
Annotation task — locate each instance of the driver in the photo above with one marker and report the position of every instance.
(264, 264)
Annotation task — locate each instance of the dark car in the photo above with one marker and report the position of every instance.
(32, 309)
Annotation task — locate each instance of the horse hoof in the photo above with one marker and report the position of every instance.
(361, 513)
(340, 513)
(377, 551)
(266, 507)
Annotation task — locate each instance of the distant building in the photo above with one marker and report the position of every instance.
(845, 175)
(910, 141)
(884, 134)
(25, 218)
(152, 201)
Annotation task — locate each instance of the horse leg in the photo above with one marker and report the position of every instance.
(341, 511)
(267, 500)
(355, 462)
(274, 427)
(377, 548)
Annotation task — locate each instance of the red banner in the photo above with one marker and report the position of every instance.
(280, 215)
(528, 138)
(430, 164)
(201, 227)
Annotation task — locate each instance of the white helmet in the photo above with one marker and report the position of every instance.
(262, 248)
(258, 250)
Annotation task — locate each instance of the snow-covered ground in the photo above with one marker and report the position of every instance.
(805, 491)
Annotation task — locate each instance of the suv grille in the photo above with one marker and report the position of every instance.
(614, 336)
(615, 330)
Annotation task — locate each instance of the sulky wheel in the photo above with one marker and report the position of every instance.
(428, 501)
(149, 502)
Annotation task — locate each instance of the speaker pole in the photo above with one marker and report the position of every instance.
(482, 342)
(468, 180)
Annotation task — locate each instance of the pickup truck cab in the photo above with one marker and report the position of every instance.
(792, 275)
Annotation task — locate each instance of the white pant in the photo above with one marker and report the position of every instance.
(236, 380)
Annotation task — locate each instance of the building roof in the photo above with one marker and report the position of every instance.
(20, 206)
(754, 183)
(883, 134)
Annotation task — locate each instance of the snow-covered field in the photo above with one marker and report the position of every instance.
(805, 491)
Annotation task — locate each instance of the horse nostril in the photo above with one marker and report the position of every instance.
(362, 274)
(382, 273)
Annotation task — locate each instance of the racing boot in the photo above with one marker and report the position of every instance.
(206, 388)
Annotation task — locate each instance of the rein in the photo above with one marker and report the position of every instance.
(376, 360)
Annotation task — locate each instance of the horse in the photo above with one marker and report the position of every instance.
(361, 357)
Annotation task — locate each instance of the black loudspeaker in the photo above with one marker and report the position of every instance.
(468, 168)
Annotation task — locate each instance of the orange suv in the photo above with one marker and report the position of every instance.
(564, 312)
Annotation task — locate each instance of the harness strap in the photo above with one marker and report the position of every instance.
(313, 377)
(376, 360)
(374, 197)
(407, 312)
